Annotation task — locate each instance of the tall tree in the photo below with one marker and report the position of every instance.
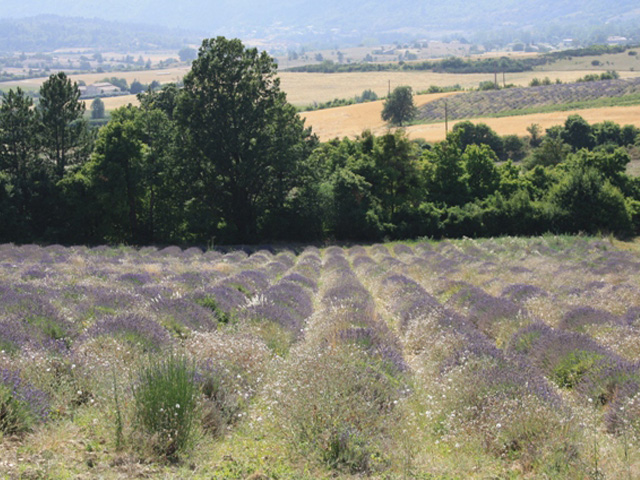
(577, 133)
(245, 140)
(18, 162)
(116, 173)
(62, 128)
(97, 109)
(17, 135)
(399, 107)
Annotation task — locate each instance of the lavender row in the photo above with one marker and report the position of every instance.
(289, 302)
(481, 391)
(467, 105)
(565, 355)
(52, 311)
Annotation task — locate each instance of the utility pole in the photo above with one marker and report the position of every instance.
(446, 118)
(504, 83)
(389, 94)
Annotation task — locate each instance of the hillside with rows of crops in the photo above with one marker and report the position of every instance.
(457, 359)
(512, 101)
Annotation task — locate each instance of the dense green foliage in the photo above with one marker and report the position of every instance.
(448, 65)
(227, 160)
(399, 107)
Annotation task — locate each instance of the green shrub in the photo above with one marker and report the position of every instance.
(165, 403)
(15, 416)
(21, 405)
(572, 367)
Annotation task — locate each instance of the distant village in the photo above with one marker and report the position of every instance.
(100, 89)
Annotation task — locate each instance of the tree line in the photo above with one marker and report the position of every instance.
(226, 159)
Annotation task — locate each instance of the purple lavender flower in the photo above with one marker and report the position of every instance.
(225, 299)
(135, 329)
(482, 308)
(408, 300)
(20, 403)
(336, 263)
(192, 252)
(377, 340)
(249, 282)
(13, 336)
(301, 280)
(578, 318)
(571, 360)
(378, 249)
(632, 317)
(401, 249)
(292, 296)
(135, 278)
(621, 414)
(171, 251)
(355, 251)
(361, 261)
(286, 257)
(276, 268)
(280, 314)
(181, 312)
(521, 292)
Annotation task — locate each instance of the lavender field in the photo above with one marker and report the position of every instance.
(512, 100)
(497, 358)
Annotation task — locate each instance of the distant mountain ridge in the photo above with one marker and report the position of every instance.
(53, 32)
(340, 18)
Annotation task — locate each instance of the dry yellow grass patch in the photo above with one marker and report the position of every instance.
(111, 103)
(305, 88)
(144, 76)
(352, 120)
(517, 125)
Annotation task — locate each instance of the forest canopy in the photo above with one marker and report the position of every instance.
(226, 159)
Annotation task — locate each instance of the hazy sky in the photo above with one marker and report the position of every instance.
(344, 15)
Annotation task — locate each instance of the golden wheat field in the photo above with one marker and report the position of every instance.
(306, 88)
(517, 125)
(352, 120)
(144, 76)
(111, 103)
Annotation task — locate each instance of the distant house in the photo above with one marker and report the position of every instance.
(616, 40)
(101, 89)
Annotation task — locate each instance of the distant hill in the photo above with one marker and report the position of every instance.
(52, 32)
(305, 20)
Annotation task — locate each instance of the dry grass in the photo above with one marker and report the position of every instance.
(352, 120)
(616, 61)
(111, 103)
(517, 125)
(305, 88)
(145, 76)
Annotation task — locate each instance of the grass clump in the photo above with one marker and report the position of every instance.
(166, 405)
(573, 366)
(336, 407)
(21, 406)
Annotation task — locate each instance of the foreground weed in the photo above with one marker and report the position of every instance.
(21, 406)
(165, 402)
